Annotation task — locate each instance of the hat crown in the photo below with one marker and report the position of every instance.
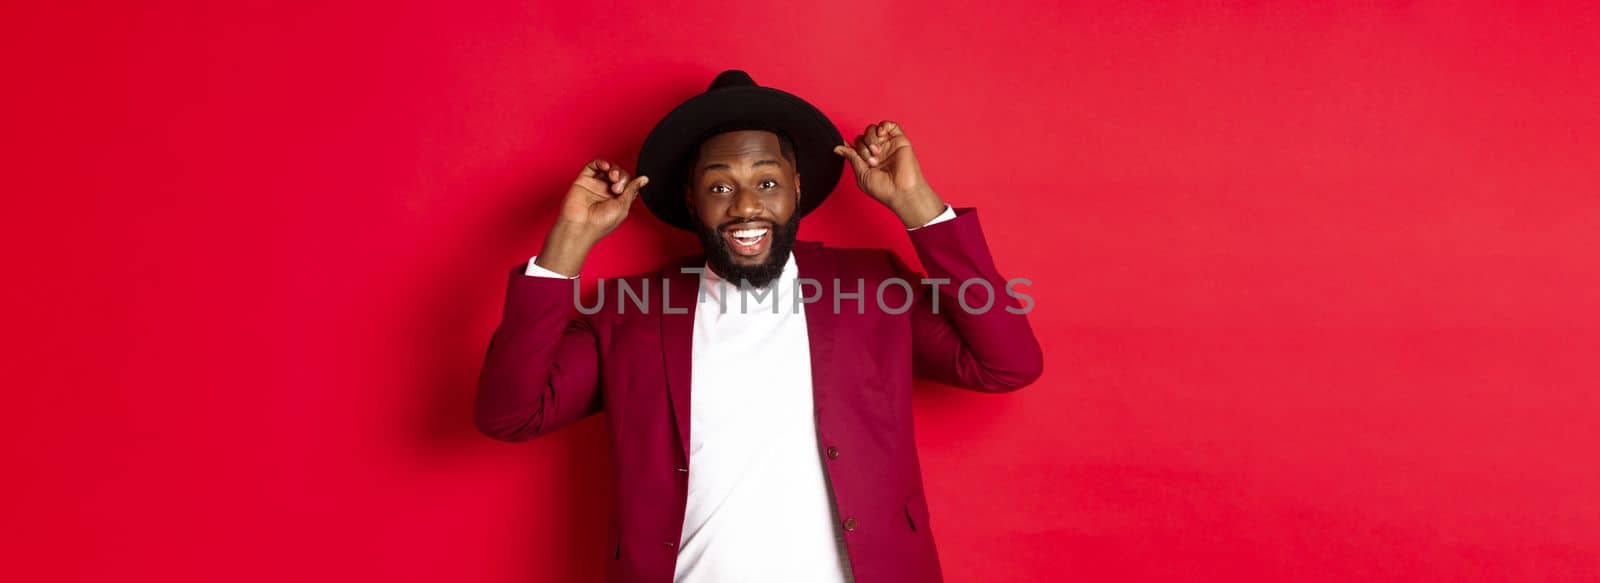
(731, 78)
(733, 98)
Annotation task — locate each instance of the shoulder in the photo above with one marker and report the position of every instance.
(670, 268)
(642, 295)
(846, 261)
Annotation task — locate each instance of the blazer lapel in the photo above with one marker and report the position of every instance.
(677, 343)
(821, 322)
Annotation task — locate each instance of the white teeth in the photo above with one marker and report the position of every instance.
(747, 233)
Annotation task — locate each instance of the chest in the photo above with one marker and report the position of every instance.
(751, 364)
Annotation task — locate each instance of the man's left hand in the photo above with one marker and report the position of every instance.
(887, 171)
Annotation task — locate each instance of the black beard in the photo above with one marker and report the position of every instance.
(720, 255)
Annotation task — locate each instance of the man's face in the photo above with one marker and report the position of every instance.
(742, 192)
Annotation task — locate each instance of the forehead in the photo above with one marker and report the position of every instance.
(739, 148)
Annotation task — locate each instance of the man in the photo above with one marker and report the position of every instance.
(758, 403)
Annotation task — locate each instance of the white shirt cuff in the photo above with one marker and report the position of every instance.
(949, 213)
(537, 271)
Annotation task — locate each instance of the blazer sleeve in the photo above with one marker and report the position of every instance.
(541, 371)
(966, 345)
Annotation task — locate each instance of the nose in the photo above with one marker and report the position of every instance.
(745, 205)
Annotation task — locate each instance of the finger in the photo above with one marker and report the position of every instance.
(620, 180)
(872, 136)
(632, 190)
(866, 153)
(894, 138)
(594, 168)
(890, 129)
(857, 164)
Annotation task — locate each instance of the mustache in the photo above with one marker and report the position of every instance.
(746, 223)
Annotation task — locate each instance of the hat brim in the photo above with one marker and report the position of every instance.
(666, 150)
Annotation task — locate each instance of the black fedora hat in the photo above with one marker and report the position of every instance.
(734, 100)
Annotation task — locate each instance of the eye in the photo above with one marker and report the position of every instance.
(721, 189)
(769, 183)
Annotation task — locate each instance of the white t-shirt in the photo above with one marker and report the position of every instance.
(759, 508)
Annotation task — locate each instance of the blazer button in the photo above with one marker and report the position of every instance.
(833, 452)
(850, 524)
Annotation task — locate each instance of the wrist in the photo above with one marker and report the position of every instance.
(917, 210)
(565, 249)
(575, 233)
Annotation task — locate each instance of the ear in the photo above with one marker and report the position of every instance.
(797, 187)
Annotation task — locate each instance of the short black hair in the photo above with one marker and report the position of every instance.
(785, 145)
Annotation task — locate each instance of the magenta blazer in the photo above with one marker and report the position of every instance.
(547, 367)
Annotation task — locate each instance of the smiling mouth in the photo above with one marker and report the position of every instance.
(748, 241)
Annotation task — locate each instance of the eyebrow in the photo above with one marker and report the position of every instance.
(721, 166)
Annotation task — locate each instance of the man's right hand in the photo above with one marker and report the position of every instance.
(595, 205)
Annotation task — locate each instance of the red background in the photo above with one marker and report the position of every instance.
(1316, 284)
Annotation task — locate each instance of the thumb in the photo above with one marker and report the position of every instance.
(856, 163)
(632, 190)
